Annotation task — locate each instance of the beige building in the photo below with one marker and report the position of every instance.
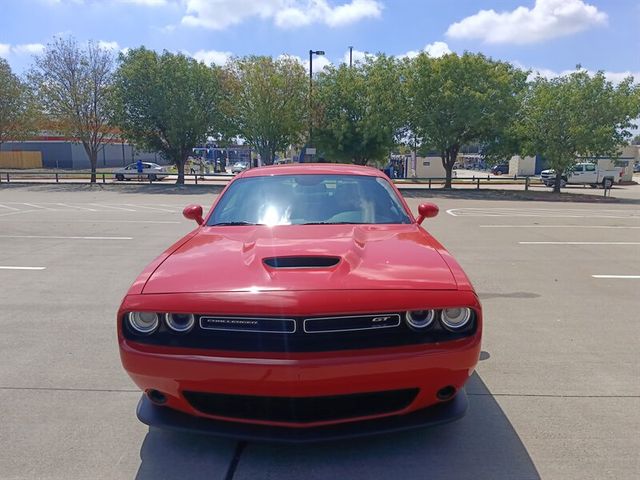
(629, 155)
(427, 167)
(522, 167)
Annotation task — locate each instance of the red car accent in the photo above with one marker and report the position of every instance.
(300, 328)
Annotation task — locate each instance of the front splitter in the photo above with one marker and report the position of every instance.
(167, 418)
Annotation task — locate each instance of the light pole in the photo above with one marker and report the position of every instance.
(311, 54)
(350, 56)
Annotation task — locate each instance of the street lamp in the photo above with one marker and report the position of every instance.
(311, 54)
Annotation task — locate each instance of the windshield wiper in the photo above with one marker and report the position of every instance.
(333, 223)
(226, 224)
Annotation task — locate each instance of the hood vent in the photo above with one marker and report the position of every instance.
(301, 262)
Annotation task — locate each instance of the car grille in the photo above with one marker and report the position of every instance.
(296, 334)
(301, 409)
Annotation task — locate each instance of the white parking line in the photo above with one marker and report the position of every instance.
(76, 206)
(9, 208)
(56, 237)
(38, 206)
(16, 213)
(543, 212)
(6, 267)
(560, 226)
(150, 208)
(626, 277)
(129, 221)
(579, 243)
(111, 206)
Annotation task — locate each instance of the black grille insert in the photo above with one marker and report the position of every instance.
(299, 334)
(301, 262)
(301, 409)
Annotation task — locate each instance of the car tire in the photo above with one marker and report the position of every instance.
(594, 185)
(119, 177)
(152, 177)
(498, 172)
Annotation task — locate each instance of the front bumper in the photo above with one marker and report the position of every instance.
(177, 371)
(167, 418)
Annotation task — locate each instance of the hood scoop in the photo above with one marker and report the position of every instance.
(301, 262)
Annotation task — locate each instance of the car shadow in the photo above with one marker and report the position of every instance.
(482, 445)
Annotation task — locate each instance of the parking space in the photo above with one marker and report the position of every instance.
(556, 394)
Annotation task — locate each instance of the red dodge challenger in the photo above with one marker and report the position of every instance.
(309, 304)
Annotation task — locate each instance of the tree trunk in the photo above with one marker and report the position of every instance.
(266, 156)
(449, 157)
(180, 165)
(93, 158)
(556, 185)
(92, 153)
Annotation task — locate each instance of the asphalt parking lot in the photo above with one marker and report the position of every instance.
(556, 394)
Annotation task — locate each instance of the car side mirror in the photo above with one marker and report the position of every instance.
(427, 210)
(193, 212)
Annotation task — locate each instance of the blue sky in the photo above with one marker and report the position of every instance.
(551, 36)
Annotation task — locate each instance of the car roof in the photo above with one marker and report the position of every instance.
(312, 169)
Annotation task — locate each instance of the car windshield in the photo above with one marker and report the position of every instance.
(309, 199)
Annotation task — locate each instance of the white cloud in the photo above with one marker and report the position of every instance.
(319, 62)
(108, 45)
(358, 56)
(220, 14)
(613, 77)
(212, 56)
(148, 3)
(547, 19)
(435, 50)
(5, 49)
(28, 49)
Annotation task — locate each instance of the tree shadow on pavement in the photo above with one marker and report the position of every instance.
(482, 445)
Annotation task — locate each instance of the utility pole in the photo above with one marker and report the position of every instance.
(311, 54)
(350, 56)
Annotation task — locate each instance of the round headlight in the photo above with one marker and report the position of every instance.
(455, 318)
(180, 322)
(143, 322)
(420, 319)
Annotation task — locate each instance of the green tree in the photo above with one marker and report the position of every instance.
(577, 115)
(359, 110)
(267, 102)
(72, 84)
(166, 102)
(457, 100)
(17, 109)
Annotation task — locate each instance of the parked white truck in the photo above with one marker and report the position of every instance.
(584, 174)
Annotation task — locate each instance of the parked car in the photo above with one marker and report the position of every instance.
(636, 167)
(308, 304)
(500, 169)
(239, 167)
(583, 173)
(150, 171)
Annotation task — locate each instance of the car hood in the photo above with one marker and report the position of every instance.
(232, 258)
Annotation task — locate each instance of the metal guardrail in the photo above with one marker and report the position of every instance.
(102, 177)
(526, 181)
